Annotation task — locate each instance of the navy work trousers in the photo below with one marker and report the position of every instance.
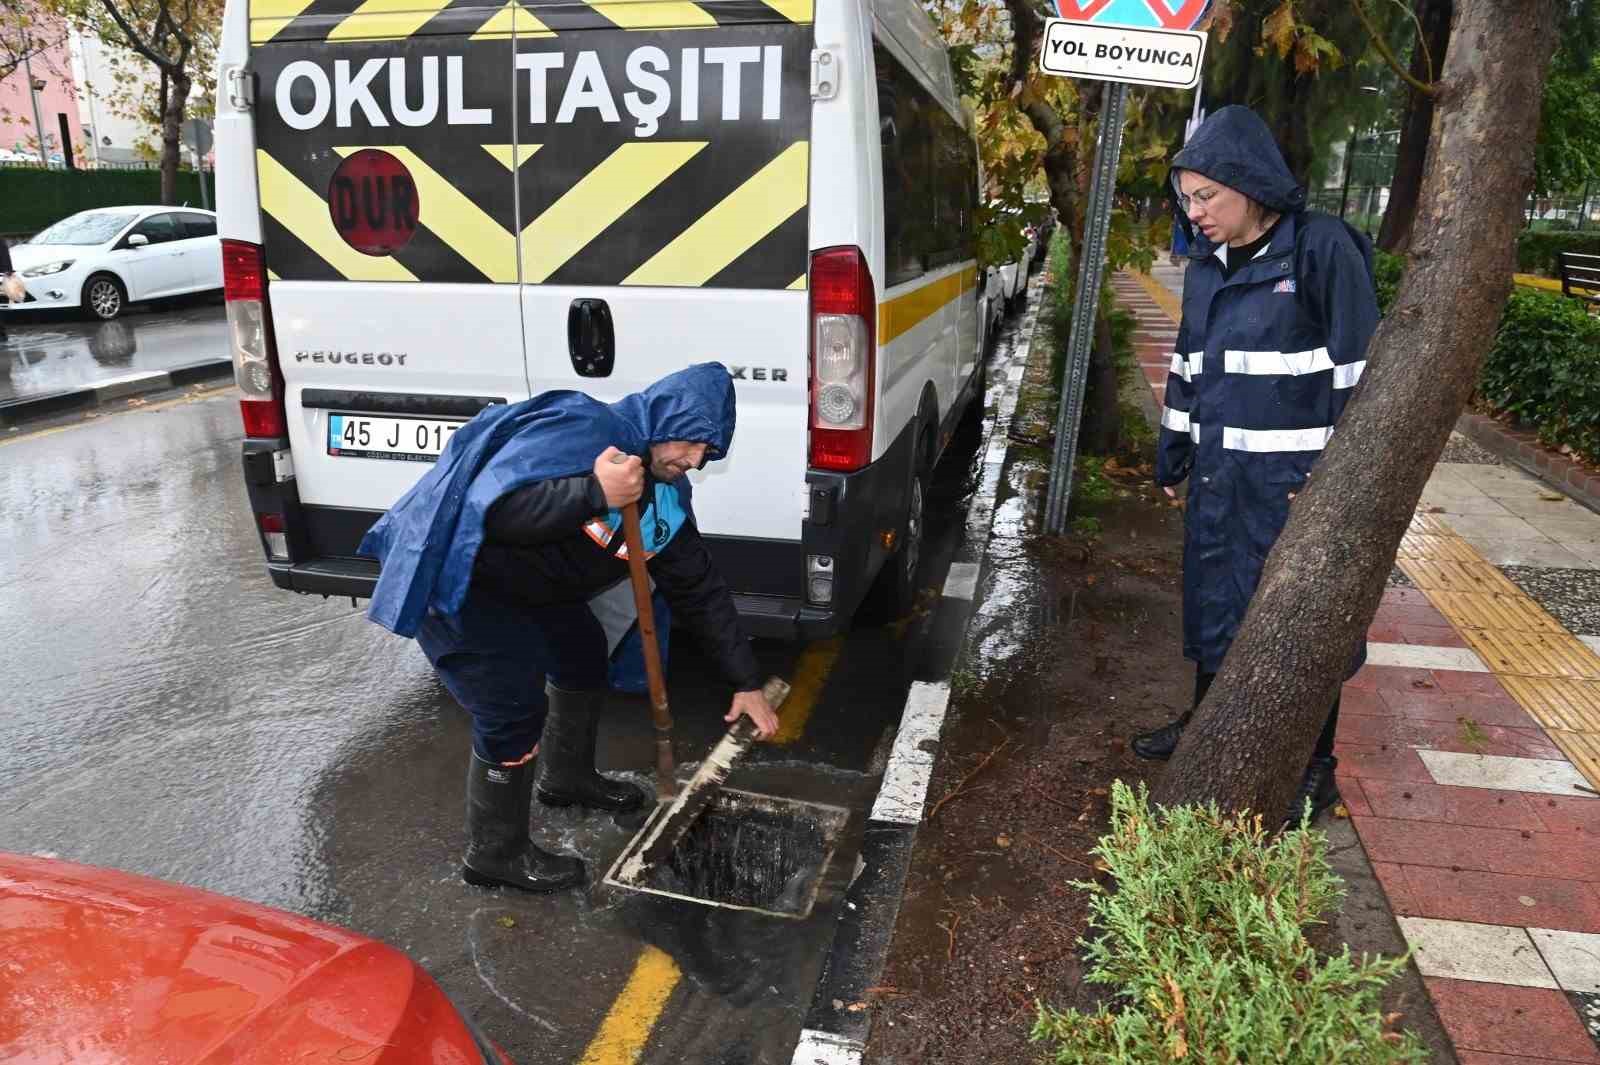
(495, 658)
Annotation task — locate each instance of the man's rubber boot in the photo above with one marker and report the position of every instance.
(1158, 744)
(499, 852)
(1317, 787)
(567, 775)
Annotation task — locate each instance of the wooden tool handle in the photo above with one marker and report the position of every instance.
(660, 711)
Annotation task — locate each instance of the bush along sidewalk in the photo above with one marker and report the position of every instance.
(1203, 940)
(1543, 369)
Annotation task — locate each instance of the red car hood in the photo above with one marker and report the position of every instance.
(100, 966)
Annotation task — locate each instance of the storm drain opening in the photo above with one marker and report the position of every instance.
(746, 851)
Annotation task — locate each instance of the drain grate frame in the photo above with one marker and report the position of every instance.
(735, 807)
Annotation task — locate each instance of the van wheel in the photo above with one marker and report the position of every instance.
(104, 297)
(895, 593)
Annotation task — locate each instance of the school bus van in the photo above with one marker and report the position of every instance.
(433, 206)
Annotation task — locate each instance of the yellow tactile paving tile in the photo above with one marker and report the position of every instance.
(1548, 671)
(1170, 304)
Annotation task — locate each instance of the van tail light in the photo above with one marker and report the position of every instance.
(255, 355)
(844, 313)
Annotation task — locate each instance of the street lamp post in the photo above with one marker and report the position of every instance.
(33, 97)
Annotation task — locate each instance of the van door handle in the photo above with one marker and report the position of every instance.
(591, 340)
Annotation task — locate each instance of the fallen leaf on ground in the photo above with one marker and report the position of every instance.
(1553, 497)
(506, 922)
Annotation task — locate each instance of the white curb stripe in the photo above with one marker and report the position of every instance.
(1461, 950)
(905, 781)
(962, 581)
(1592, 641)
(1573, 957)
(1499, 772)
(820, 1048)
(1417, 656)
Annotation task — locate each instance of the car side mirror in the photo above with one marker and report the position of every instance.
(138, 240)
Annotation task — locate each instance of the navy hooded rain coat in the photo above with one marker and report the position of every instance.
(494, 556)
(1266, 361)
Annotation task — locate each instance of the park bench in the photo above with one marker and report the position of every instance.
(1580, 278)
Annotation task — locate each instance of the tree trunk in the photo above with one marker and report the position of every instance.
(177, 98)
(1101, 433)
(1254, 733)
(1395, 233)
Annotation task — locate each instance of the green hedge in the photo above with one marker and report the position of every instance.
(35, 197)
(1543, 367)
(1204, 942)
(1537, 251)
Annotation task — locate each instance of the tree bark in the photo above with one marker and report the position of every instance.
(171, 129)
(1394, 235)
(1253, 735)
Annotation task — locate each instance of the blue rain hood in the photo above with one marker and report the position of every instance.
(428, 541)
(1234, 147)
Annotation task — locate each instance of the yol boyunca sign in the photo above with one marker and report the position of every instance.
(1146, 42)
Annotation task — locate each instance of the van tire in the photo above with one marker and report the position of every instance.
(894, 593)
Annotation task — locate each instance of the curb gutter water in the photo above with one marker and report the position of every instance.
(27, 408)
(837, 1025)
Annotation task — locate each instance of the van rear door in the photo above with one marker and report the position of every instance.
(662, 184)
(385, 143)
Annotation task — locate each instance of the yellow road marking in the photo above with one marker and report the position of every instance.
(805, 688)
(627, 1025)
(513, 19)
(603, 195)
(305, 214)
(653, 14)
(455, 219)
(377, 20)
(512, 156)
(902, 313)
(1552, 674)
(267, 17)
(732, 227)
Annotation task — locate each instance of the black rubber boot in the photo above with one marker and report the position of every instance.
(567, 775)
(1158, 744)
(1317, 787)
(499, 852)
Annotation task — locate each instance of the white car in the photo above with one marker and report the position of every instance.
(103, 260)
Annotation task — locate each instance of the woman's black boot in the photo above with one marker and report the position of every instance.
(1318, 787)
(567, 776)
(1158, 744)
(499, 852)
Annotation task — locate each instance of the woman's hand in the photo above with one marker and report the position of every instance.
(621, 477)
(753, 704)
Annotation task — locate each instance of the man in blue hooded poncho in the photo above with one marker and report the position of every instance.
(491, 562)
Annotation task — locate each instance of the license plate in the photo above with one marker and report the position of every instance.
(368, 436)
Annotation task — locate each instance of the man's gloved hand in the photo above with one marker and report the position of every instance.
(754, 705)
(621, 477)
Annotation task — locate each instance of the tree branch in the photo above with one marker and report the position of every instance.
(1382, 46)
(1422, 39)
(1026, 26)
(162, 62)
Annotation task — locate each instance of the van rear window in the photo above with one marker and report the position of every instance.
(930, 176)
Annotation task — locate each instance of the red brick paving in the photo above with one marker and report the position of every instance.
(1440, 706)
(1499, 898)
(1399, 678)
(1367, 762)
(1480, 807)
(1490, 850)
(1502, 1019)
(1567, 814)
(1448, 736)
(1478, 1057)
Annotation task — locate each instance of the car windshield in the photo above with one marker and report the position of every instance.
(86, 227)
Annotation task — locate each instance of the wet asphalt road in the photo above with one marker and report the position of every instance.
(53, 352)
(167, 711)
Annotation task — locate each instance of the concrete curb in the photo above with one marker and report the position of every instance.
(1522, 449)
(836, 1025)
(28, 408)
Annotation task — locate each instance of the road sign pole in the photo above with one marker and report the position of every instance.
(1085, 305)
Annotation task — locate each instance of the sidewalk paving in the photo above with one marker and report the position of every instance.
(1469, 745)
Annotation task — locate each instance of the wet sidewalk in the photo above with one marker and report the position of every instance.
(1469, 745)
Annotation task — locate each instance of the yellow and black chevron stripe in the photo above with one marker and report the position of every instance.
(703, 201)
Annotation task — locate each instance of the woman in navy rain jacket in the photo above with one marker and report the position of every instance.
(1278, 307)
(497, 560)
